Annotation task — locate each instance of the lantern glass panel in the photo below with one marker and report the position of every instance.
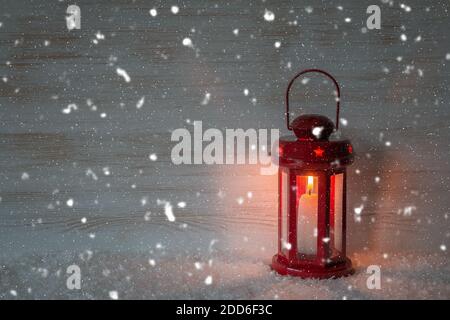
(284, 211)
(307, 214)
(336, 219)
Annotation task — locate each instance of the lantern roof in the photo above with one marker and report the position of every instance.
(312, 127)
(314, 145)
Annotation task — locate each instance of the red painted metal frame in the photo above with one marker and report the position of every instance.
(332, 210)
(280, 209)
(344, 215)
(292, 218)
(325, 264)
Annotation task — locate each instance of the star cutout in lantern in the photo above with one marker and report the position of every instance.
(318, 152)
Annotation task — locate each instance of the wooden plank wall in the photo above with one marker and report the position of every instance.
(45, 153)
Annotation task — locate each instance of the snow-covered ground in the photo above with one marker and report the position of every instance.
(86, 116)
(222, 275)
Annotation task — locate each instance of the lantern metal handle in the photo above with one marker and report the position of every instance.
(338, 91)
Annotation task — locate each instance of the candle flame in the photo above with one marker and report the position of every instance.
(310, 185)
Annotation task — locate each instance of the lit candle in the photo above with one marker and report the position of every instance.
(307, 220)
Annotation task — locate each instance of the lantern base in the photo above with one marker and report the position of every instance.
(312, 271)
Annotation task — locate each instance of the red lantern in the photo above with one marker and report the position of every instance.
(312, 196)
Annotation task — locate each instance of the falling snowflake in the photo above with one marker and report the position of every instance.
(25, 176)
(114, 295)
(168, 209)
(206, 99)
(305, 81)
(121, 72)
(69, 202)
(407, 211)
(106, 171)
(211, 244)
(69, 108)
(198, 265)
(269, 15)
(187, 42)
(175, 9)
(317, 131)
(277, 44)
(90, 173)
(405, 7)
(140, 103)
(153, 12)
(359, 209)
(208, 280)
(100, 36)
(153, 157)
(287, 245)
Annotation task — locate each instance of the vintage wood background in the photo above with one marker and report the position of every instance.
(394, 92)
